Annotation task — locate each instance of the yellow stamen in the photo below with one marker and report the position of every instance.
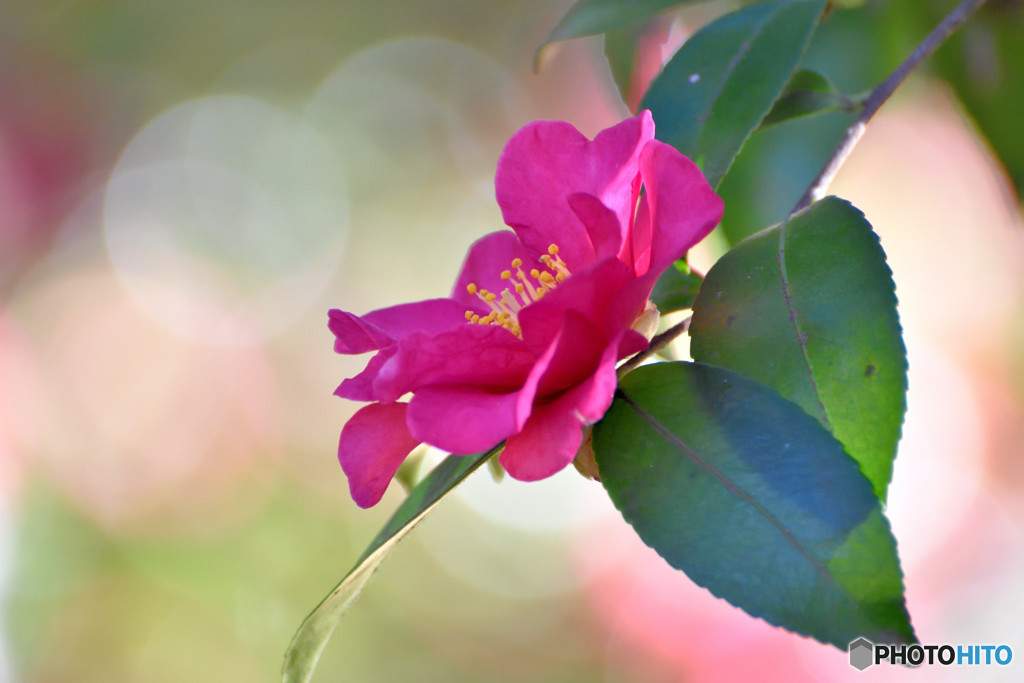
(525, 290)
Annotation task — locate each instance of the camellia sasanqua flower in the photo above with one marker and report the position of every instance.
(525, 348)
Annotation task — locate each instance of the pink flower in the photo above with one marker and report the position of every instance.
(525, 348)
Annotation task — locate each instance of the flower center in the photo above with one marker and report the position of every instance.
(524, 290)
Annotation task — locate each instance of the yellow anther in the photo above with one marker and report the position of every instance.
(523, 291)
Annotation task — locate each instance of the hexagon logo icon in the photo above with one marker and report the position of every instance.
(861, 654)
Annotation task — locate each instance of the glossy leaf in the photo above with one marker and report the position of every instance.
(754, 500)
(311, 638)
(716, 90)
(809, 309)
(807, 93)
(779, 162)
(676, 289)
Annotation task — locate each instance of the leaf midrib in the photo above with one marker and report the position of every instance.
(730, 486)
(799, 335)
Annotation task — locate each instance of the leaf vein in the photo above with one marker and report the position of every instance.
(679, 444)
(801, 336)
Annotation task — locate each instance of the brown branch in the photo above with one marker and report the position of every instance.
(658, 342)
(878, 96)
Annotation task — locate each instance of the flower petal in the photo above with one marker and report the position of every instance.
(373, 444)
(587, 292)
(377, 329)
(431, 316)
(574, 354)
(353, 334)
(486, 259)
(601, 223)
(360, 387)
(485, 356)
(547, 161)
(462, 420)
(553, 434)
(681, 208)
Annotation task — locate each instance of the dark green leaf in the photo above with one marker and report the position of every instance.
(716, 90)
(807, 92)
(779, 162)
(809, 309)
(676, 289)
(749, 496)
(590, 17)
(620, 47)
(984, 61)
(309, 641)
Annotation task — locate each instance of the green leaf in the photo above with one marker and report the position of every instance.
(676, 289)
(807, 93)
(809, 309)
(620, 47)
(749, 496)
(716, 90)
(304, 652)
(983, 61)
(590, 17)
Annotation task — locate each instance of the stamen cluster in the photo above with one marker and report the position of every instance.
(524, 291)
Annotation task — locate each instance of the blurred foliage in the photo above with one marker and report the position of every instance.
(983, 62)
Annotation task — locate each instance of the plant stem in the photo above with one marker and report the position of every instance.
(871, 104)
(658, 342)
(880, 94)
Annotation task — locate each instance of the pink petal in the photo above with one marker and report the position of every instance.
(601, 223)
(485, 261)
(573, 356)
(360, 387)
(632, 342)
(485, 356)
(683, 208)
(462, 420)
(441, 416)
(380, 328)
(547, 444)
(547, 161)
(353, 335)
(431, 316)
(467, 419)
(588, 293)
(553, 434)
(373, 444)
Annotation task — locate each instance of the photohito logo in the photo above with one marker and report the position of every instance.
(864, 653)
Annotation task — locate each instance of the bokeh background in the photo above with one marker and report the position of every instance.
(187, 187)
